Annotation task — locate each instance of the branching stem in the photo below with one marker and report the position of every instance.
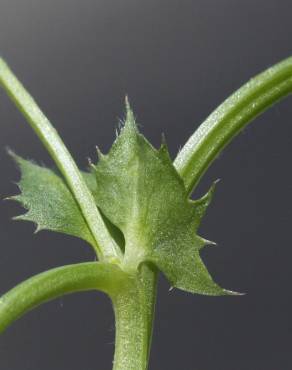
(133, 293)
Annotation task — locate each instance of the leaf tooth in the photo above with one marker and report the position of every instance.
(26, 217)
(163, 150)
(163, 140)
(14, 198)
(22, 217)
(232, 293)
(38, 228)
(17, 218)
(20, 199)
(91, 166)
(99, 153)
(20, 161)
(207, 243)
(211, 243)
(11, 153)
(120, 124)
(208, 196)
(200, 205)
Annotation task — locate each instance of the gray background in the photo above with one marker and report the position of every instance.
(177, 60)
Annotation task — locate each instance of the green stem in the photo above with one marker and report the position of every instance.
(105, 246)
(230, 118)
(133, 298)
(134, 311)
(55, 283)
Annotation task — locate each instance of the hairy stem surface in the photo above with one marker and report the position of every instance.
(134, 312)
(230, 118)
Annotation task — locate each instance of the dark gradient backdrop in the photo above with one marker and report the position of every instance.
(177, 60)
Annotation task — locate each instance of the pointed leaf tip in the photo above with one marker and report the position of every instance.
(127, 103)
(130, 121)
(163, 145)
(163, 150)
